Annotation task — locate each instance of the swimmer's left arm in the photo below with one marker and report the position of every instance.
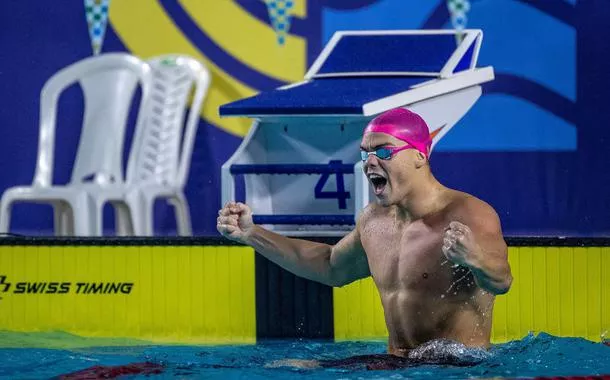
(476, 241)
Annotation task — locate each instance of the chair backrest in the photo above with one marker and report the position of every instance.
(162, 148)
(109, 82)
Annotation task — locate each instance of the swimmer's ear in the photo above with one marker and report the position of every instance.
(421, 160)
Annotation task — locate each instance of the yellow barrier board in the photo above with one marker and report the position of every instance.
(161, 294)
(118, 295)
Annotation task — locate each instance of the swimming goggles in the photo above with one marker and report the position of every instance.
(384, 153)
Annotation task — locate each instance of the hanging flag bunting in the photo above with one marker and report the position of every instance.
(280, 13)
(97, 19)
(458, 10)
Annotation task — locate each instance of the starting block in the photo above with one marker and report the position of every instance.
(299, 166)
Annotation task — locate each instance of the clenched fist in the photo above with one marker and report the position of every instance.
(235, 221)
(459, 245)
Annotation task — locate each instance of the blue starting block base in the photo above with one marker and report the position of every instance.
(305, 219)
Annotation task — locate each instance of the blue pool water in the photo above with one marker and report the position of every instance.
(541, 355)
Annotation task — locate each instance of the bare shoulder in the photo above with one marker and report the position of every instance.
(469, 203)
(473, 211)
(371, 212)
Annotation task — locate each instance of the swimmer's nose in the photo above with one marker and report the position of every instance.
(372, 161)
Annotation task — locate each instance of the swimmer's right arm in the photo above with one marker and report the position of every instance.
(336, 265)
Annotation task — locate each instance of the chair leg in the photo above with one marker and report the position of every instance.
(86, 219)
(148, 215)
(69, 220)
(183, 215)
(141, 208)
(5, 216)
(57, 219)
(62, 220)
(123, 219)
(97, 217)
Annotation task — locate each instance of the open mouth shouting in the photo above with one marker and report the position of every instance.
(378, 181)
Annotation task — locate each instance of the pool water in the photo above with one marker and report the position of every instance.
(540, 355)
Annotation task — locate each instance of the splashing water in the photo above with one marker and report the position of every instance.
(447, 351)
(454, 283)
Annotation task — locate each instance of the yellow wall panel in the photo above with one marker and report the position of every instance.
(156, 294)
(206, 294)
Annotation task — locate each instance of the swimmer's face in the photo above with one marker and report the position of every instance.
(391, 178)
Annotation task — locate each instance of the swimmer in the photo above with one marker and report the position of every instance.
(436, 255)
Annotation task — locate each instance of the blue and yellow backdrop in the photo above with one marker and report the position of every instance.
(533, 146)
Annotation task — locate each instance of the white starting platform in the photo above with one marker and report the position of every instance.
(299, 167)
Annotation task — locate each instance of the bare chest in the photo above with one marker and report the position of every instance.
(406, 257)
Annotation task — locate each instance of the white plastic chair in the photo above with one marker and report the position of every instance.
(161, 155)
(109, 82)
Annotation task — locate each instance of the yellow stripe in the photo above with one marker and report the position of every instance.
(539, 290)
(209, 266)
(581, 279)
(254, 43)
(513, 315)
(566, 286)
(358, 312)
(605, 296)
(562, 291)
(147, 31)
(299, 8)
(190, 295)
(594, 310)
(525, 303)
(553, 299)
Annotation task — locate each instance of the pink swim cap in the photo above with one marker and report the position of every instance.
(404, 125)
